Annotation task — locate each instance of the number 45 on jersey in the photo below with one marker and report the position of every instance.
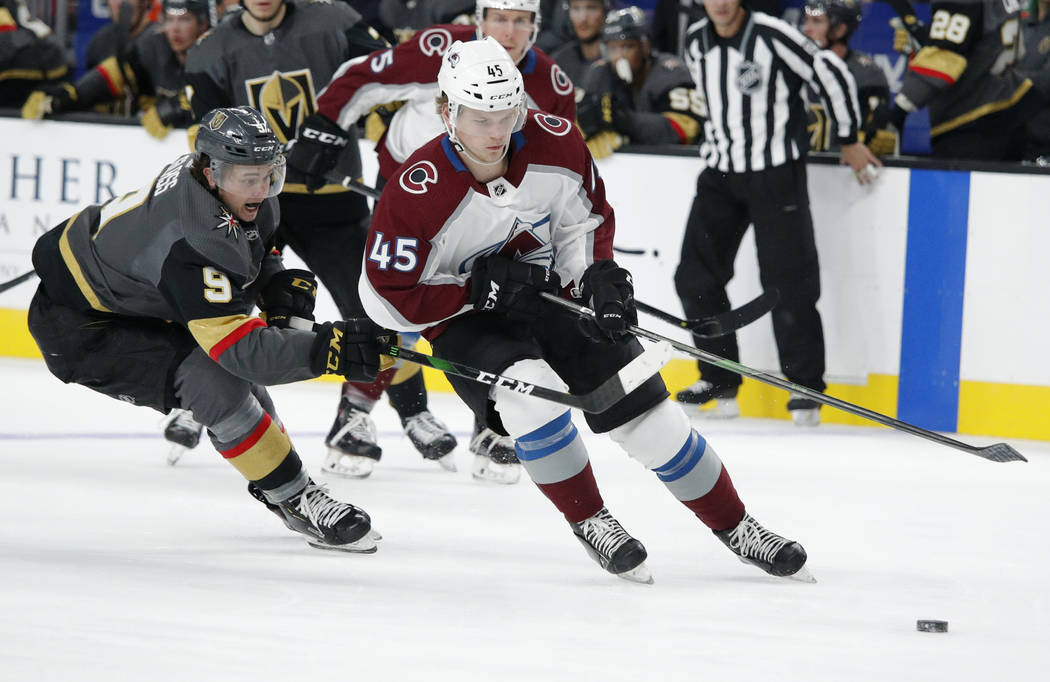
(404, 253)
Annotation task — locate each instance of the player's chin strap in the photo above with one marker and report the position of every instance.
(463, 150)
(999, 452)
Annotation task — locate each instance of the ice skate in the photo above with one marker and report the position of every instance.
(720, 399)
(494, 457)
(775, 555)
(352, 448)
(256, 492)
(326, 522)
(804, 412)
(431, 438)
(183, 432)
(612, 547)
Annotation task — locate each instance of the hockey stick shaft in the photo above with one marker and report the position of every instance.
(10, 284)
(723, 323)
(909, 19)
(614, 389)
(610, 392)
(361, 188)
(999, 452)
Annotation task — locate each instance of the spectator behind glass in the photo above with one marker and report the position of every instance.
(635, 94)
(129, 18)
(979, 103)
(30, 56)
(830, 24)
(588, 18)
(1036, 65)
(149, 74)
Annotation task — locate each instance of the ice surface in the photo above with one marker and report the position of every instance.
(115, 566)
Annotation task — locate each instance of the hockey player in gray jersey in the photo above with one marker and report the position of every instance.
(588, 19)
(276, 56)
(978, 102)
(148, 76)
(830, 24)
(148, 298)
(635, 94)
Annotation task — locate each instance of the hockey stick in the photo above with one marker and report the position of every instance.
(361, 188)
(910, 20)
(610, 392)
(723, 323)
(999, 452)
(10, 284)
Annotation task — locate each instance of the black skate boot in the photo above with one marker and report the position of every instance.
(183, 432)
(775, 555)
(326, 522)
(612, 547)
(431, 438)
(352, 448)
(703, 392)
(494, 456)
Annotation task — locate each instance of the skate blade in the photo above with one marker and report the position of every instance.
(350, 466)
(487, 471)
(374, 535)
(802, 575)
(638, 574)
(448, 462)
(175, 454)
(721, 410)
(365, 545)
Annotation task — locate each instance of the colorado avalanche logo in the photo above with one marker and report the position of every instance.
(417, 176)
(526, 242)
(554, 125)
(434, 41)
(560, 81)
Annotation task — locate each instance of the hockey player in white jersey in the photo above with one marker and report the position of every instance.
(473, 227)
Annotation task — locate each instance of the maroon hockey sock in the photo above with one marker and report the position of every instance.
(577, 497)
(720, 508)
(370, 391)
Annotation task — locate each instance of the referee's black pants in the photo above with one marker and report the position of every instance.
(776, 201)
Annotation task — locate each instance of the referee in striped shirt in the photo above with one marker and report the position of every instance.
(752, 69)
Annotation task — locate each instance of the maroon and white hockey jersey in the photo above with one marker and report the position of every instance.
(434, 220)
(408, 73)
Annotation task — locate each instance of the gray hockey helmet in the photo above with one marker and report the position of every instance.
(628, 23)
(239, 136)
(839, 12)
(199, 7)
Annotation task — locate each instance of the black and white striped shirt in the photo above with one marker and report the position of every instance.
(754, 82)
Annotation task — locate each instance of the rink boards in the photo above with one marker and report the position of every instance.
(934, 282)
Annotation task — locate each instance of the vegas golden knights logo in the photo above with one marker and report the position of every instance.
(284, 99)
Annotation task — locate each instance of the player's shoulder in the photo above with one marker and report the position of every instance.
(327, 12)
(669, 65)
(862, 63)
(551, 140)
(435, 40)
(431, 183)
(538, 71)
(215, 43)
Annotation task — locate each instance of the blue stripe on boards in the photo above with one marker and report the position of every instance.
(934, 279)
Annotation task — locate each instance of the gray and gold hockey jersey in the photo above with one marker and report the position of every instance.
(666, 109)
(873, 95)
(281, 73)
(966, 71)
(172, 251)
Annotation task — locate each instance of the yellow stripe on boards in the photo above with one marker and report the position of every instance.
(15, 340)
(1004, 410)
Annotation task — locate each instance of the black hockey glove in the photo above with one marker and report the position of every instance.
(502, 285)
(349, 348)
(317, 149)
(288, 294)
(609, 292)
(594, 113)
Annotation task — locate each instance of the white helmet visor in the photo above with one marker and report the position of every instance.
(254, 182)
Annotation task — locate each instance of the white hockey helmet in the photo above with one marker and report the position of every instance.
(524, 5)
(481, 75)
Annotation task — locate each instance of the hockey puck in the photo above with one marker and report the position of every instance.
(931, 625)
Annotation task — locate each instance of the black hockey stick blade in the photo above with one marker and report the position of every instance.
(10, 284)
(723, 323)
(999, 452)
(610, 392)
